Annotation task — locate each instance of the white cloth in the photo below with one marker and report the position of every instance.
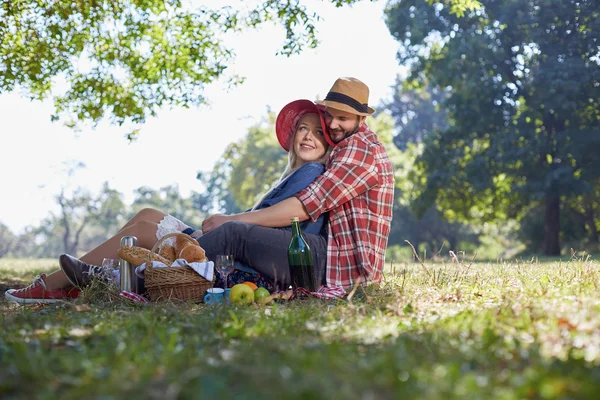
(204, 269)
(169, 224)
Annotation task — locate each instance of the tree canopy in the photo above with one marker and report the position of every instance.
(123, 60)
(523, 105)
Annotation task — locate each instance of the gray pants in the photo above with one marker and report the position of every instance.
(264, 249)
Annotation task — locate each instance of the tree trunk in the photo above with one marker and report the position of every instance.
(552, 226)
(452, 242)
(591, 223)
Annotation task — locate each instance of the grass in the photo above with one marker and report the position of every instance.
(444, 330)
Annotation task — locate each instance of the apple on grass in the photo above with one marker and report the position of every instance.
(241, 294)
(260, 294)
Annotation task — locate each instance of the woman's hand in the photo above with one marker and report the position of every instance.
(214, 221)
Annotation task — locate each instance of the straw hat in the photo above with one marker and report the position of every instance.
(350, 95)
(288, 118)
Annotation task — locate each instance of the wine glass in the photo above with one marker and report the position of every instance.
(224, 265)
(109, 265)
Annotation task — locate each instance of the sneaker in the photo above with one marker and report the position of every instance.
(80, 274)
(36, 293)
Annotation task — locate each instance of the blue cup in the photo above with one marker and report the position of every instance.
(214, 296)
(227, 294)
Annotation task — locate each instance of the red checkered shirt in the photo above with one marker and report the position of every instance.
(358, 191)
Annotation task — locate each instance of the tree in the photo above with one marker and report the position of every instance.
(524, 109)
(84, 220)
(168, 200)
(417, 111)
(80, 212)
(125, 59)
(7, 240)
(246, 170)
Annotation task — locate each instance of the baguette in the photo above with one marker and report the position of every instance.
(138, 255)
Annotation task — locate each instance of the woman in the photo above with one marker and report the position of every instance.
(301, 131)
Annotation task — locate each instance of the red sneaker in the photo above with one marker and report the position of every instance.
(36, 293)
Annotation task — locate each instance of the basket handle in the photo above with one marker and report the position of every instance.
(162, 239)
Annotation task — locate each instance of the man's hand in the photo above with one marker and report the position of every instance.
(214, 221)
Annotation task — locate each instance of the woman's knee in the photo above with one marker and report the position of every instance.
(144, 231)
(149, 214)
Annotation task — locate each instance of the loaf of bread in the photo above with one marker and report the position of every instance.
(192, 253)
(182, 241)
(168, 252)
(138, 255)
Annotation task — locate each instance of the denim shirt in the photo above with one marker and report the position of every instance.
(292, 184)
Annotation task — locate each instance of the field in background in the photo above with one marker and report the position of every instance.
(503, 330)
(21, 271)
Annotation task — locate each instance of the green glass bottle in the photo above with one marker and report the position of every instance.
(300, 260)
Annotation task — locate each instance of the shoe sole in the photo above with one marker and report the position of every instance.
(21, 300)
(64, 270)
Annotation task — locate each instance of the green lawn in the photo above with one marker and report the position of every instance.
(504, 330)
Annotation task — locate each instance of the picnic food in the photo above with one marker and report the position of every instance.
(182, 241)
(187, 247)
(241, 294)
(138, 255)
(168, 252)
(260, 294)
(192, 253)
(251, 284)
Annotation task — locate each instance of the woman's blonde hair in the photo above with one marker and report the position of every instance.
(293, 164)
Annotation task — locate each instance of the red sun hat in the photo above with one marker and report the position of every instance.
(288, 118)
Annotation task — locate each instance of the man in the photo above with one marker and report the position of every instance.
(357, 189)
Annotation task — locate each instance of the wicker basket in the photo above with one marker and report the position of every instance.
(174, 283)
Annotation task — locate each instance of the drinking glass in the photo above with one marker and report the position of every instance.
(110, 263)
(224, 265)
(109, 266)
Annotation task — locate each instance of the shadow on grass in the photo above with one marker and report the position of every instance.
(163, 352)
(6, 284)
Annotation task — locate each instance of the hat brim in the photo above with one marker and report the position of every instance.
(288, 118)
(345, 107)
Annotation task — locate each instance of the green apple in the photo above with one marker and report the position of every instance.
(261, 293)
(241, 294)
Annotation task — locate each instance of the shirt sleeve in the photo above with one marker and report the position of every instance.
(352, 171)
(296, 182)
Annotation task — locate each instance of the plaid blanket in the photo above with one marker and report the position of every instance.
(323, 292)
(134, 297)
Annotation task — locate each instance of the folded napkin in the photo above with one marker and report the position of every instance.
(204, 269)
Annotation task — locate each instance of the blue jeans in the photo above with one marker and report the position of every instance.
(263, 249)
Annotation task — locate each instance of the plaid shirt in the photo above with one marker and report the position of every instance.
(358, 190)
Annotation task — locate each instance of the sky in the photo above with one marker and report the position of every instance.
(177, 143)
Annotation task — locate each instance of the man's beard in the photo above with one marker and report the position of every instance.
(347, 135)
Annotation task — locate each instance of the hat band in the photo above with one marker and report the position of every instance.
(347, 100)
